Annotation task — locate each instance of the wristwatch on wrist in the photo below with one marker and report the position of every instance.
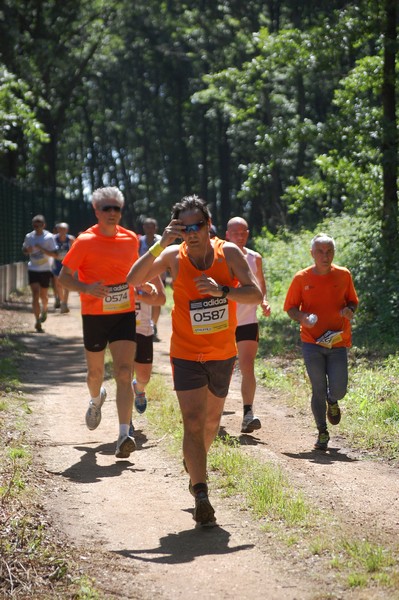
(225, 291)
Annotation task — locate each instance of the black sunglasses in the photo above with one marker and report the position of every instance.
(110, 207)
(194, 227)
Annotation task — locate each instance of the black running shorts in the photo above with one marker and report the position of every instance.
(191, 375)
(41, 277)
(100, 330)
(144, 349)
(248, 332)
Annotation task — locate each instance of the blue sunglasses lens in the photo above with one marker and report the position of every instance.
(194, 227)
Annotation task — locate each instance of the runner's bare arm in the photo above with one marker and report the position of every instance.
(153, 292)
(297, 315)
(265, 306)
(67, 279)
(248, 293)
(159, 258)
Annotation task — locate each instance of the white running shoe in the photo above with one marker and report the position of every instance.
(124, 446)
(250, 422)
(93, 414)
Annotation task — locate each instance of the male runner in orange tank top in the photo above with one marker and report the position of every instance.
(203, 348)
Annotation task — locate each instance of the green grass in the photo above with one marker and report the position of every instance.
(264, 487)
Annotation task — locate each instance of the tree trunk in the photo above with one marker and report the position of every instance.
(389, 132)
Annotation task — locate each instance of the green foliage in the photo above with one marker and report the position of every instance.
(349, 176)
(18, 114)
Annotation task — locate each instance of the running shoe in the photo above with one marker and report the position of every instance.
(38, 326)
(124, 446)
(93, 414)
(140, 400)
(57, 303)
(333, 413)
(43, 316)
(64, 308)
(250, 422)
(322, 440)
(204, 514)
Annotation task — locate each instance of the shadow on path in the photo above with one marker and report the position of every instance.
(244, 439)
(51, 361)
(186, 546)
(330, 456)
(88, 471)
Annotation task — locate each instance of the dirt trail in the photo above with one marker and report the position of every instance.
(132, 519)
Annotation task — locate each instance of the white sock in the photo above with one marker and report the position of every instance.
(96, 400)
(123, 430)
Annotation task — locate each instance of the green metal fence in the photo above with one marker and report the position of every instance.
(19, 203)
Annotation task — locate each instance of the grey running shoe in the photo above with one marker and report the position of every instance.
(140, 400)
(124, 446)
(38, 326)
(322, 440)
(64, 308)
(93, 414)
(250, 422)
(333, 413)
(204, 514)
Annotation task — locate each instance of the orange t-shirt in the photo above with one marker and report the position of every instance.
(97, 257)
(325, 296)
(203, 327)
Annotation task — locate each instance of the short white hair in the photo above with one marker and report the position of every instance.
(322, 238)
(103, 195)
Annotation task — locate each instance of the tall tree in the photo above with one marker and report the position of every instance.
(390, 130)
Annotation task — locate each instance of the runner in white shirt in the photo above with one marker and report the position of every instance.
(144, 339)
(40, 246)
(247, 332)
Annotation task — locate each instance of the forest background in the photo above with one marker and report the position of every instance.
(281, 111)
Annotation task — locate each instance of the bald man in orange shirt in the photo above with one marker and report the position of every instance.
(322, 298)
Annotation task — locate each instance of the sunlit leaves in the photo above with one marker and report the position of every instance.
(17, 114)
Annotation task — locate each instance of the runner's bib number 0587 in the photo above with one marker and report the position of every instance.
(209, 315)
(118, 298)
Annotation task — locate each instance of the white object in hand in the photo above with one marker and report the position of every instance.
(311, 319)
